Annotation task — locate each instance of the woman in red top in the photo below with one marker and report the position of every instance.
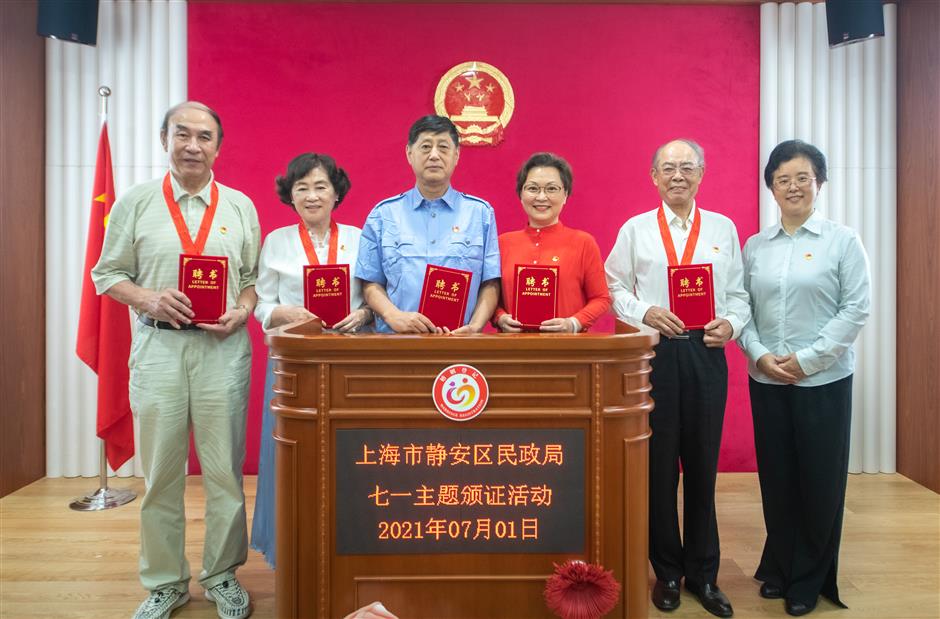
(544, 184)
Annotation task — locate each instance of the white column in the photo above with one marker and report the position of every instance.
(843, 101)
(768, 100)
(886, 222)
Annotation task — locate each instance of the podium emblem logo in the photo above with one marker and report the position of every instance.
(460, 392)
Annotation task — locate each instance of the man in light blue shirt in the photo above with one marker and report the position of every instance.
(430, 224)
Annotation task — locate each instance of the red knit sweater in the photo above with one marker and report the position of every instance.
(582, 285)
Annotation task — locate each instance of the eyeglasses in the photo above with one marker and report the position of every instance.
(685, 168)
(801, 180)
(550, 190)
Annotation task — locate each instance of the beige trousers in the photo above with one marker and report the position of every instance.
(182, 380)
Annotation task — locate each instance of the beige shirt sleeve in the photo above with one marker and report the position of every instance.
(118, 260)
(251, 248)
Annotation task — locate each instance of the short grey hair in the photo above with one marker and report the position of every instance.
(196, 105)
(695, 146)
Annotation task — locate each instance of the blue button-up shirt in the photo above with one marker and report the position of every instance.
(809, 295)
(402, 235)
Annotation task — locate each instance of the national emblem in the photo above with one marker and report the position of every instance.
(478, 99)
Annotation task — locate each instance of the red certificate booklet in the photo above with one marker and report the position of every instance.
(204, 279)
(444, 296)
(326, 291)
(536, 292)
(692, 294)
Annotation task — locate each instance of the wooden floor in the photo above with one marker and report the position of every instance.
(56, 563)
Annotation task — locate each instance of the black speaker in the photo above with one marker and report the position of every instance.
(69, 20)
(851, 21)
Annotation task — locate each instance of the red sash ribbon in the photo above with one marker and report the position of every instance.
(190, 247)
(670, 247)
(308, 244)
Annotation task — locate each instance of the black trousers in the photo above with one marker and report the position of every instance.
(689, 389)
(802, 440)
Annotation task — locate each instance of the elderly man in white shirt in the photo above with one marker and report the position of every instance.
(689, 374)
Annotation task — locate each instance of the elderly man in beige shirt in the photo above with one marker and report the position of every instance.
(185, 375)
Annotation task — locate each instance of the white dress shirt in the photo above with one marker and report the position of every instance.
(810, 295)
(280, 268)
(636, 267)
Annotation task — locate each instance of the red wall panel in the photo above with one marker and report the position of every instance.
(602, 85)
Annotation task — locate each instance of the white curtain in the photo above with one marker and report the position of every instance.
(843, 100)
(141, 56)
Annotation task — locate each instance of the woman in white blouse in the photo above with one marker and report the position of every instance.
(808, 280)
(312, 187)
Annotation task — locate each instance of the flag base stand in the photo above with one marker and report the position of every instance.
(103, 497)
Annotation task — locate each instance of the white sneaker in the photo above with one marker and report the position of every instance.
(230, 599)
(160, 603)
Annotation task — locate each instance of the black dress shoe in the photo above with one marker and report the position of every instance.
(666, 594)
(712, 599)
(798, 608)
(771, 591)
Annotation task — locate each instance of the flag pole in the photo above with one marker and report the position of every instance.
(104, 497)
(103, 93)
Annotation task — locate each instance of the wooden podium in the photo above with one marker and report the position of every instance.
(332, 389)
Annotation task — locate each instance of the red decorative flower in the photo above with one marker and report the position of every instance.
(579, 590)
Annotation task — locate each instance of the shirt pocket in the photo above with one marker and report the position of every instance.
(228, 241)
(396, 250)
(719, 255)
(466, 251)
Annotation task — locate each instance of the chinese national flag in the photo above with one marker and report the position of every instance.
(104, 334)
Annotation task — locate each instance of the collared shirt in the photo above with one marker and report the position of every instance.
(141, 244)
(402, 235)
(810, 295)
(280, 269)
(582, 289)
(636, 267)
